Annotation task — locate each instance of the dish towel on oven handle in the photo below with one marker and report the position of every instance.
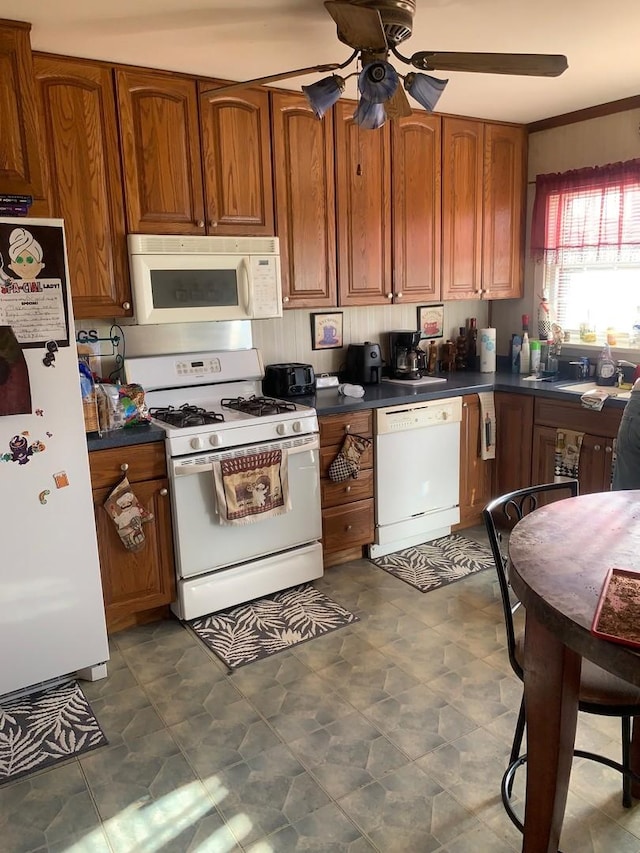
(347, 462)
(253, 487)
(487, 425)
(567, 455)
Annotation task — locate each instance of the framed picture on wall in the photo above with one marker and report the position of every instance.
(326, 330)
(431, 320)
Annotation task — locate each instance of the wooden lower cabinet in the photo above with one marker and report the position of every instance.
(596, 455)
(514, 441)
(137, 585)
(347, 507)
(476, 473)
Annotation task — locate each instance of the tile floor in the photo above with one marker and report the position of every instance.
(389, 735)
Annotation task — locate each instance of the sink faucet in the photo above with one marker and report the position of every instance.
(620, 373)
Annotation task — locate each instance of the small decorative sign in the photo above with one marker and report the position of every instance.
(431, 320)
(326, 330)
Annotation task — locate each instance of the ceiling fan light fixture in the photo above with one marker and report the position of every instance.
(369, 115)
(324, 94)
(378, 81)
(425, 89)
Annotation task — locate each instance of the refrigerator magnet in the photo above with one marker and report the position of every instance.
(42, 497)
(61, 480)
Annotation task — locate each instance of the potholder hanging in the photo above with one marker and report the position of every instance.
(347, 462)
(128, 515)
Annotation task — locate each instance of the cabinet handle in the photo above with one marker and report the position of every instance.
(398, 295)
(164, 492)
(213, 223)
(347, 428)
(608, 449)
(347, 489)
(596, 447)
(389, 295)
(464, 405)
(285, 298)
(124, 466)
(200, 223)
(349, 526)
(126, 305)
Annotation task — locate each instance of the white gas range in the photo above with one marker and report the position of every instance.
(211, 407)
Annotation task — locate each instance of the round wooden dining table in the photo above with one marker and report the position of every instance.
(559, 558)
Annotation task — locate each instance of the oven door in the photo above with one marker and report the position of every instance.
(204, 545)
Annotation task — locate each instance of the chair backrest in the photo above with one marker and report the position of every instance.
(502, 514)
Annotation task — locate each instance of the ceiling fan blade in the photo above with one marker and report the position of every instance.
(398, 104)
(532, 64)
(358, 26)
(272, 78)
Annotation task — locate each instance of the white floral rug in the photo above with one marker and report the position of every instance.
(265, 626)
(437, 563)
(51, 725)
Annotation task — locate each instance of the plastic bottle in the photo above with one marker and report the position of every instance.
(472, 345)
(534, 356)
(606, 367)
(525, 354)
(634, 335)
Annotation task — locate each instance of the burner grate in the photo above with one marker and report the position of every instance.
(258, 406)
(185, 416)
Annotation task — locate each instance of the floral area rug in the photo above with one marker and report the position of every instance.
(437, 563)
(38, 730)
(265, 626)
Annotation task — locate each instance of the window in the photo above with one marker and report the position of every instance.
(586, 233)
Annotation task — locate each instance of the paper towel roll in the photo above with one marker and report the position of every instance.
(487, 350)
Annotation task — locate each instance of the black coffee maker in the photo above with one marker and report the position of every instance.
(404, 355)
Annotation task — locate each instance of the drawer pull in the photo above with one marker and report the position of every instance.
(164, 492)
(608, 449)
(347, 489)
(124, 466)
(347, 428)
(349, 526)
(596, 447)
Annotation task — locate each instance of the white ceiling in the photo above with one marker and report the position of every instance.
(241, 39)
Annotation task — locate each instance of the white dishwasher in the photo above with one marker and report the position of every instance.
(417, 473)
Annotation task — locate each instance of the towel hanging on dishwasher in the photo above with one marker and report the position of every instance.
(487, 425)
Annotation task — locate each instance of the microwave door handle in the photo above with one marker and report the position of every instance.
(244, 291)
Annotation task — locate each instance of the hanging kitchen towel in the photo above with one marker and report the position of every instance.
(487, 425)
(128, 515)
(567, 456)
(347, 462)
(250, 488)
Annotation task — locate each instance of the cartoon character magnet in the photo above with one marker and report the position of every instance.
(20, 450)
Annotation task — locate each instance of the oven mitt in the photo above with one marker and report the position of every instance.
(128, 515)
(347, 462)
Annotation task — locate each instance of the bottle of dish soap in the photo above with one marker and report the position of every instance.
(606, 367)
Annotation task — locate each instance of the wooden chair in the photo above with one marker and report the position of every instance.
(600, 692)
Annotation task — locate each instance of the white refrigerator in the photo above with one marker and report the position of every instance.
(52, 619)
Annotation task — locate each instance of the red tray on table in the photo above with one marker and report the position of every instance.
(617, 616)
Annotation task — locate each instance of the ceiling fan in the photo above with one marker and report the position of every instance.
(374, 29)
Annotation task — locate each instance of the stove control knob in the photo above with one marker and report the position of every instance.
(297, 426)
(281, 429)
(215, 440)
(197, 443)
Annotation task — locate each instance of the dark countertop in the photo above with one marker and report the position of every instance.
(329, 402)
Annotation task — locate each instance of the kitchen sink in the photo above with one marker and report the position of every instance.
(584, 387)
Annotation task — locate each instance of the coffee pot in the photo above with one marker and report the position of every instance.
(404, 354)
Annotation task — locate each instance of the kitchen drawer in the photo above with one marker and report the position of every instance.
(328, 454)
(333, 428)
(143, 461)
(339, 494)
(347, 526)
(573, 416)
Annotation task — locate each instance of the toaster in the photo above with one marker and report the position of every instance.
(288, 380)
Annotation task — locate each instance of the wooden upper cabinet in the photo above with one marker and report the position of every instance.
(236, 151)
(304, 183)
(20, 171)
(363, 191)
(503, 241)
(160, 152)
(84, 182)
(415, 193)
(462, 185)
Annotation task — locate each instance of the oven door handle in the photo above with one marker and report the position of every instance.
(199, 465)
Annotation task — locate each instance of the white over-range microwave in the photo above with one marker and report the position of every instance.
(198, 279)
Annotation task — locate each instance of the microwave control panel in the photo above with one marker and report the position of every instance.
(266, 292)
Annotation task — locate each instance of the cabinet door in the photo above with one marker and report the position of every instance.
(415, 193)
(363, 211)
(503, 218)
(136, 581)
(19, 153)
(305, 201)
(475, 472)
(160, 153)
(236, 151)
(514, 440)
(596, 457)
(544, 455)
(462, 186)
(84, 181)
